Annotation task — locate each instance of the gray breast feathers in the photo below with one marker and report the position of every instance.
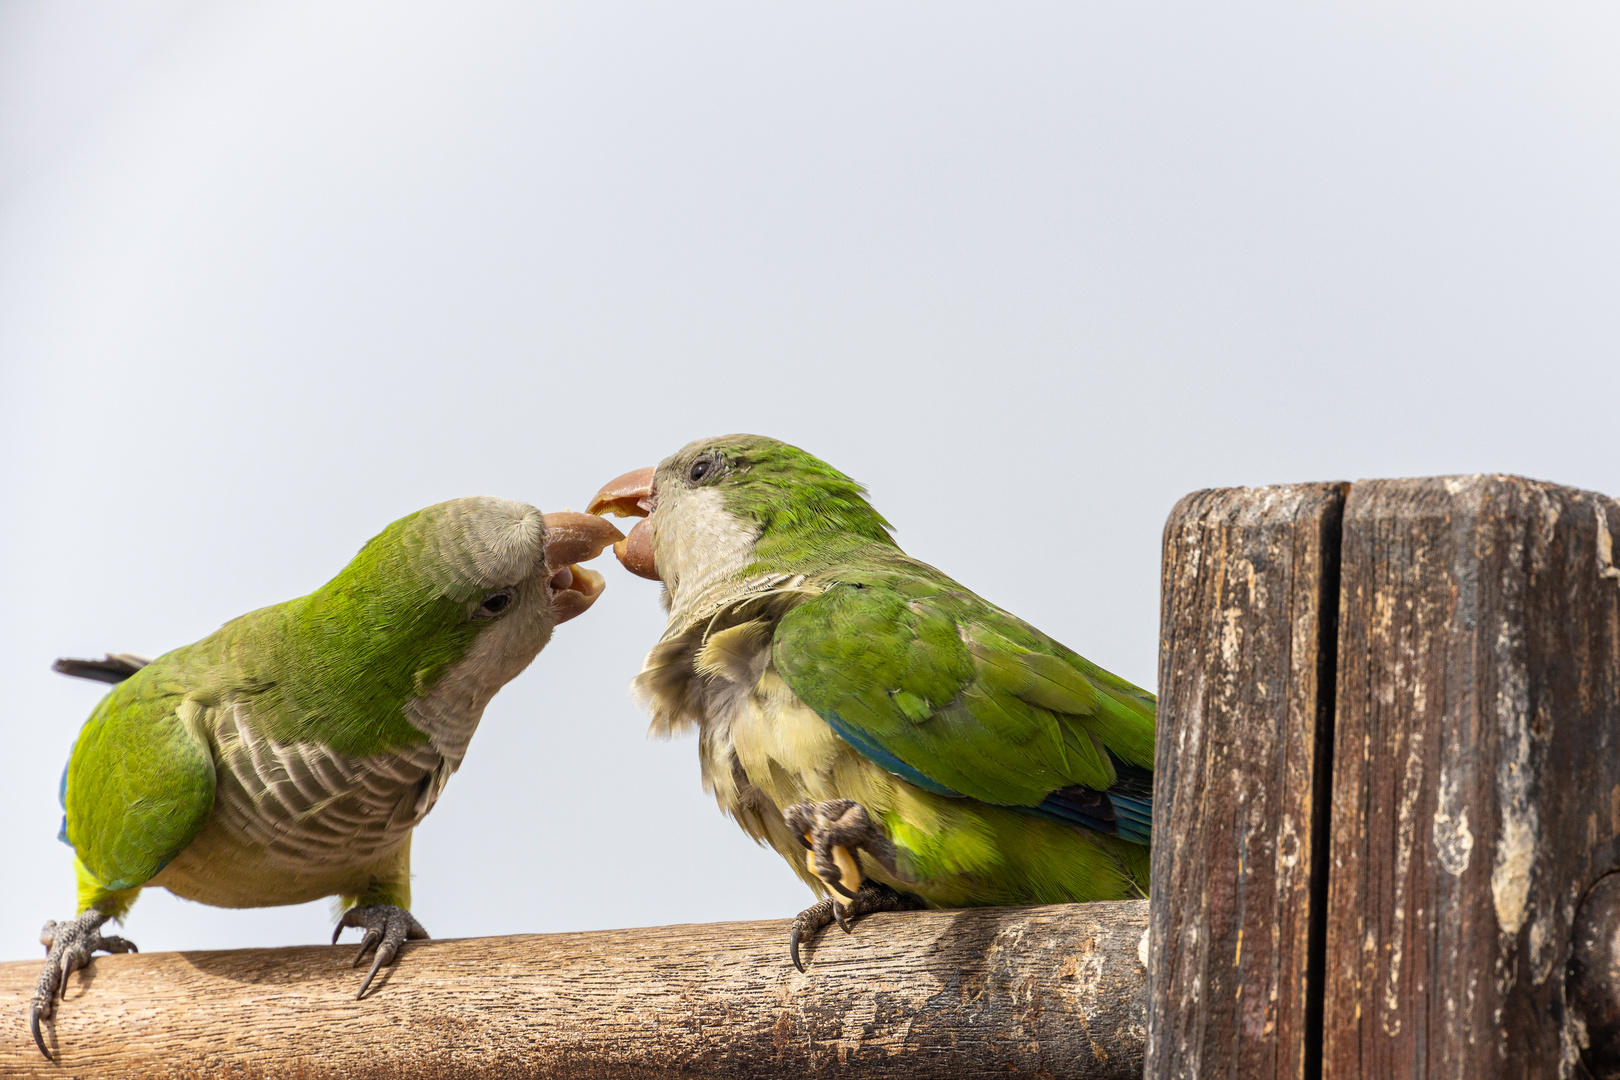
(308, 806)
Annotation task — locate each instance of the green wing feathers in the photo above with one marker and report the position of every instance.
(917, 670)
(140, 783)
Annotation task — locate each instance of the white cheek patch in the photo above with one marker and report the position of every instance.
(701, 549)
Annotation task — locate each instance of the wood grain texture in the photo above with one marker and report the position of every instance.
(1592, 986)
(1240, 792)
(1041, 991)
(1476, 775)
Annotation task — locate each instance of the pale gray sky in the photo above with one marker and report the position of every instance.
(273, 275)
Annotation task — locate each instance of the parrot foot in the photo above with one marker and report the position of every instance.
(872, 897)
(835, 832)
(386, 927)
(69, 946)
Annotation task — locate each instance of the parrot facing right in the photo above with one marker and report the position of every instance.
(289, 755)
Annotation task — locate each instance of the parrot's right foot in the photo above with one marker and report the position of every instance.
(387, 927)
(69, 946)
(834, 833)
(872, 897)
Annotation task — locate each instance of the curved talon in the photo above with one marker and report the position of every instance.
(873, 897)
(793, 954)
(809, 921)
(837, 885)
(837, 832)
(386, 926)
(39, 1040)
(69, 947)
(372, 974)
(367, 943)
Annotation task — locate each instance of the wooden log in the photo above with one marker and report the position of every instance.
(1240, 785)
(1476, 773)
(1018, 992)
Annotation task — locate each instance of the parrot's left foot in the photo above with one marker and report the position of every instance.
(874, 896)
(69, 946)
(387, 927)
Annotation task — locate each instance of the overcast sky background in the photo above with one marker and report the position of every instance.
(273, 275)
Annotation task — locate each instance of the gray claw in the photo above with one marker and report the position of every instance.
(386, 928)
(69, 947)
(793, 954)
(39, 1040)
(873, 897)
(367, 943)
(365, 984)
(809, 921)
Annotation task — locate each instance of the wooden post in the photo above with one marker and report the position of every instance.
(1240, 785)
(1476, 786)
(1011, 992)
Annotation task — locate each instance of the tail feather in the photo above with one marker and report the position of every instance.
(114, 669)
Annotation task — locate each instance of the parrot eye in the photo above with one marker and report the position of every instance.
(702, 467)
(495, 603)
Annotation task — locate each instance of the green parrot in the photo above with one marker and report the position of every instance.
(288, 756)
(901, 741)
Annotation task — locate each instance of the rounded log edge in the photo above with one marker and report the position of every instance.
(1056, 991)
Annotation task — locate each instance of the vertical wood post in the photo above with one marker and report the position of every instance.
(1476, 782)
(1244, 728)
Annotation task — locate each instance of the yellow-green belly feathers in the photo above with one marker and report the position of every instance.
(769, 751)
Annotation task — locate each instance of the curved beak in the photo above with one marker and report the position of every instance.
(570, 539)
(631, 495)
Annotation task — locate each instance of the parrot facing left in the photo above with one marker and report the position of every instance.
(289, 755)
(900, 740)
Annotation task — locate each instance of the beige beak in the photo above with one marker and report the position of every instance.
(570, 539)
(631, 495)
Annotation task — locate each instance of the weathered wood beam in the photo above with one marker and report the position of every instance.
(1476, 778)
(1246, 659)
(1015, 992)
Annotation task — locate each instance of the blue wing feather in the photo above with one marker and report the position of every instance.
(879, 756)
(1122, 810)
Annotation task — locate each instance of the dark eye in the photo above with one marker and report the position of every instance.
(494, 604)
(702, 467)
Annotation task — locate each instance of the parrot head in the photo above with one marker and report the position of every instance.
(480, 579)
(723, 508)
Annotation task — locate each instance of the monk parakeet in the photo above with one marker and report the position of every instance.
(288, 756)
(901, 741)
